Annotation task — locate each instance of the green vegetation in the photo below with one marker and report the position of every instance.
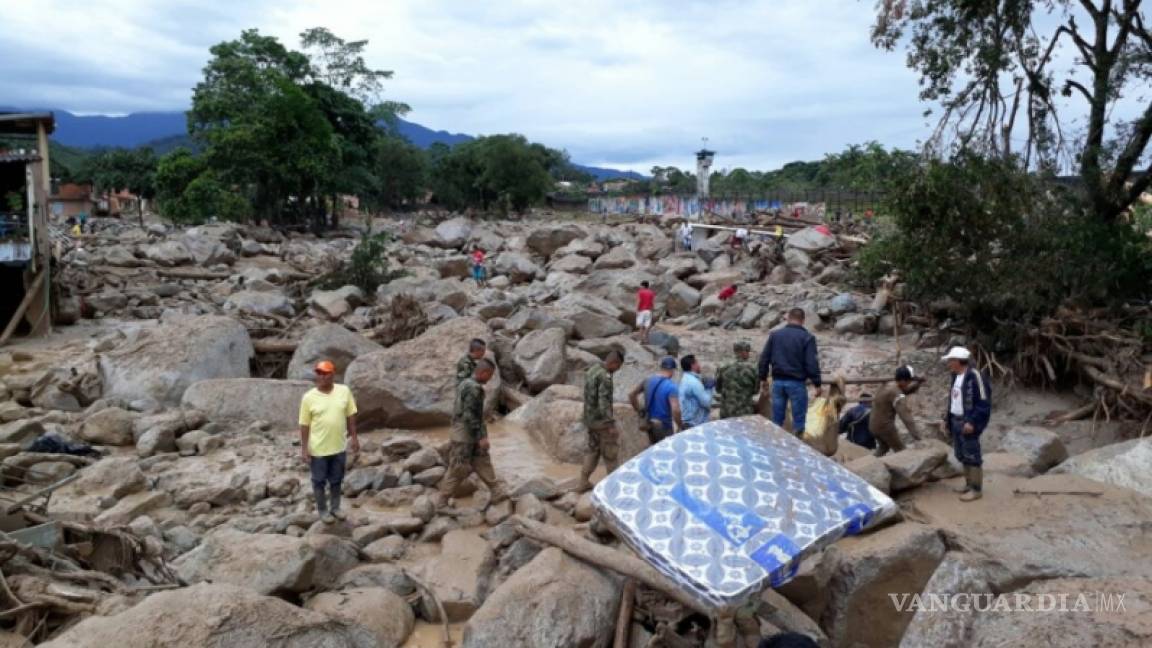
(1007, 246)
(1050, 82)
(367, 268)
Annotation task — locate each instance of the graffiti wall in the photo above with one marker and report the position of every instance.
(692, 207)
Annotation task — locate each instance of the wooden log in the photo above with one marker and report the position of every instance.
(29, 297)
(607, 558)
(624, 618)
(203, 275)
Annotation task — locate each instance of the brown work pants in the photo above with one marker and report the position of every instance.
(887, 439)
(603, 441)
(464, 459)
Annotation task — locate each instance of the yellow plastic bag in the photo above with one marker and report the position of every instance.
(820, 430)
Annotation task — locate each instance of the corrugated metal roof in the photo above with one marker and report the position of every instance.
(25, 123)
(16, 156)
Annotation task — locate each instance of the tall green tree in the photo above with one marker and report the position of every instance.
(1012, 77)
(498, 171)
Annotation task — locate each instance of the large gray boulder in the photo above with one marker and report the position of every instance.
(894, 561)
(328, 342)
(619, 287)
(335, 304)
(386, 615)
(555, 600)
(811, 240)
(455, 582)
(452, 234)
(248, 399)
(111, 426)
(547, 239)
(617, 258)
(214, 615)
(541, 358)
(1124, 464)
(212, 245)
(413, 383)
(1042, 448)
(586, 247)
(682, 299)
(914, 466)
(573, 263)
(517, 267)
(1064, 611)
(265, 563)
(555, 419)
(592, 317)
(167, 253)
(163, 362)
(260, 302)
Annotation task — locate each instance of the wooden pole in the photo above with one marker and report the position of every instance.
(624, 618)
(607, 558)
(33, 293)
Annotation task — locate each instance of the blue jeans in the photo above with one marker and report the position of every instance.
(965, 446)
(328, 471)
(796, 392)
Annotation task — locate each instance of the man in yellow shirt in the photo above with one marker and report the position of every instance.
(327, 430)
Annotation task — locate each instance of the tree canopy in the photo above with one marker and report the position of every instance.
(1050, 81)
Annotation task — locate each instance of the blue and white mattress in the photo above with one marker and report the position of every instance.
(732, 507)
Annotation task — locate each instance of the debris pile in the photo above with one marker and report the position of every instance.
(163, 426)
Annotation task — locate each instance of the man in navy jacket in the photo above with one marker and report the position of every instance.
(969, 408)
(789, 357)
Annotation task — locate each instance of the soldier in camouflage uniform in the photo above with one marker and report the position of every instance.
(603, 437)
(469, 452)
(738, 384)
(467, 364)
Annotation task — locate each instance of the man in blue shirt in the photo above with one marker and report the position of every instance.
(790, 358)
(661, 409)
(695, 398)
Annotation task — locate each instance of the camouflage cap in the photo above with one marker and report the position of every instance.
(741, 346)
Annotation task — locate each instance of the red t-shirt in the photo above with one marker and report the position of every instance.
(727, 293)
(478, 257)
(645, 299)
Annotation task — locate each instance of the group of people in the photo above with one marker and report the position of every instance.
(788, 365)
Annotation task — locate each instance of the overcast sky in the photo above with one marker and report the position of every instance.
(617, 84)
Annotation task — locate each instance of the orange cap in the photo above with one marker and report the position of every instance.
(325, 367)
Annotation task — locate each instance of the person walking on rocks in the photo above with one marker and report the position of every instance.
(685, 236)
(466, 366)
(660, 413)
(645, 303)
(695, 396)
(969, 409)
(790, 359)
(479, 272)
(469, 450)
(599, 419)
(891, 401)
(737, 384)
(327, 429)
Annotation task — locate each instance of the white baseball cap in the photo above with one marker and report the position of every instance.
(957, 353)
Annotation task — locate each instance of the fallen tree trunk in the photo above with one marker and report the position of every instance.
(607, 558)
(204, 275)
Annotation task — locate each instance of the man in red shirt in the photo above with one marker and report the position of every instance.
(645, 301)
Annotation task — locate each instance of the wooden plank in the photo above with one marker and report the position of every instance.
(33, 293)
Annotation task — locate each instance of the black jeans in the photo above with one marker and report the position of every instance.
(328, 471)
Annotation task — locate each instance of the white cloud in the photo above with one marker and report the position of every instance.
(622, 84)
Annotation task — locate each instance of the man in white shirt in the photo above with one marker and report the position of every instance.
(969, 409)
(685, 236)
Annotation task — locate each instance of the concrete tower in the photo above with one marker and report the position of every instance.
(703, 170)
